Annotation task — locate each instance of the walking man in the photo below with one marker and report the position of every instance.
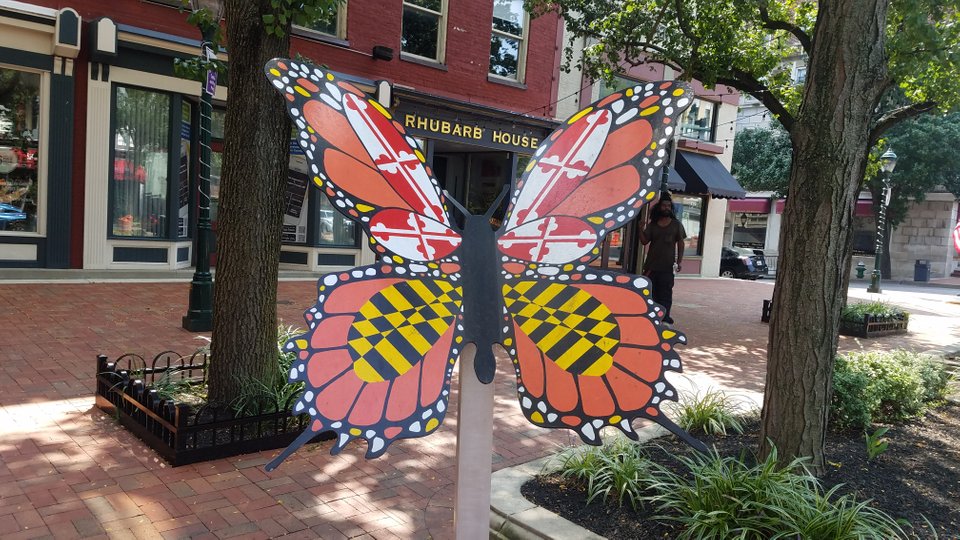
(665, 235)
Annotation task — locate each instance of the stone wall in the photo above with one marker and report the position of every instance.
(925, 234)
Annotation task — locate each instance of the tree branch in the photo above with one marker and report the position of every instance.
(745, 82)
(793, 29)
(898, 115)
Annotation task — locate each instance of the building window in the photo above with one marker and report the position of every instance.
(141, 163)
(508, 44)
(689, 210)
(19, 142)
(619, 83)
(800, 75)
(697, 121)
(864, 235)
(424, 28)
(332, 23)
(333, 229)
(750, 230)
(183, 171)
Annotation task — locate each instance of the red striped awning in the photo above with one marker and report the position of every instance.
(750, 206)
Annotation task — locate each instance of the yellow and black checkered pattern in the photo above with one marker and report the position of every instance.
(398, 325)
(571, 327)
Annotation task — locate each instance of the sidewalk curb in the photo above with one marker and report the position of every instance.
(513, 517)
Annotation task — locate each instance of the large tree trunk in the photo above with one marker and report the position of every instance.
(846, 74)
(254, 175)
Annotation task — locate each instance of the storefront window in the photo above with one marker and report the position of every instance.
(333, 228)
(507, 44)
(749, 230)
(864, 235)
(183, 187)
(19, 141)
(423, 28)
(141, 163)
(689, 210)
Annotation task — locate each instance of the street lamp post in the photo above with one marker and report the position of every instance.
(199, 317)
(888, 161)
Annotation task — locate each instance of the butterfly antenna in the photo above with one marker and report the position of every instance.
(455, 203)
(682, 433)
(497, 202)
(303, 439)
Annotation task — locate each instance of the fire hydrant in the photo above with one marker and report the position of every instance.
(861, 268)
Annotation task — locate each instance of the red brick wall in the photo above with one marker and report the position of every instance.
(378, 22)
(374, 22)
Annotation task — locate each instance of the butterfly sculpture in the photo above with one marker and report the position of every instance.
(587, 345)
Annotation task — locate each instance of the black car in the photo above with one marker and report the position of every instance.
(742, 263)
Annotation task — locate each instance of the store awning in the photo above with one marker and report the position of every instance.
(750, 206)
(674, 182)
(706, 175)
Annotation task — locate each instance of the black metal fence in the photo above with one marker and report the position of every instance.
(182, 433)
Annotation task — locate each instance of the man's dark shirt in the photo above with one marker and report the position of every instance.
(663, 246)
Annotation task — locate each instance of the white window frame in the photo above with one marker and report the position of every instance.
(340, 33)
(441, 31)
(42, 150)
(521, 53)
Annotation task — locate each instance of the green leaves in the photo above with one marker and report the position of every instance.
(286, 13)
(761, 159)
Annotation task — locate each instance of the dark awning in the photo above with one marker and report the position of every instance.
(674, 182)
(706, 175)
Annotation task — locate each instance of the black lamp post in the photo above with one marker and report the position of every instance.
(888, 161)
(199, 317)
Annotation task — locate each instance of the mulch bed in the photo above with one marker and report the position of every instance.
(918, 476)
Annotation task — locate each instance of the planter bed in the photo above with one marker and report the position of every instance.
(873, 326)
(182, 433)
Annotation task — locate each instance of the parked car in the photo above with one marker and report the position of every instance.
(742, 263)
(11, 217)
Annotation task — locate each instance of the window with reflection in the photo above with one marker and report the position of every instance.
(508, 41)
(697, 121)
(689, 209)
(19, 155)
(332, 22)
(140, 181)
(619, 83)
(424, 28)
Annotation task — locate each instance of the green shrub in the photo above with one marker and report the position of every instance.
(617, 470)
(885, 387)
(855, 312)
(712, 413)
(726, 498)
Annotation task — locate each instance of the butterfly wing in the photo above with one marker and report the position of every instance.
(377, 359)
(365, 163)
(592, 175)
(589, 351)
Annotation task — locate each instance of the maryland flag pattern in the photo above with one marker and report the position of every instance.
(398, 324)
(571, 327)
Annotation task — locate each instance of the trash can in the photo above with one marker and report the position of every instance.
(921, 270)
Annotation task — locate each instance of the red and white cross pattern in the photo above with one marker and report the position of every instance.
(394, 157)
(564, 167)
(413, 236)
(552, 240)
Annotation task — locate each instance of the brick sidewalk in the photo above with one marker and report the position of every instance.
(68, 471)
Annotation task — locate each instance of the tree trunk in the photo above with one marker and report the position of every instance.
(250, 215)
(846, 74)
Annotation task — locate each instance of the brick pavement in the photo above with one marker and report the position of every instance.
(68, 471)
